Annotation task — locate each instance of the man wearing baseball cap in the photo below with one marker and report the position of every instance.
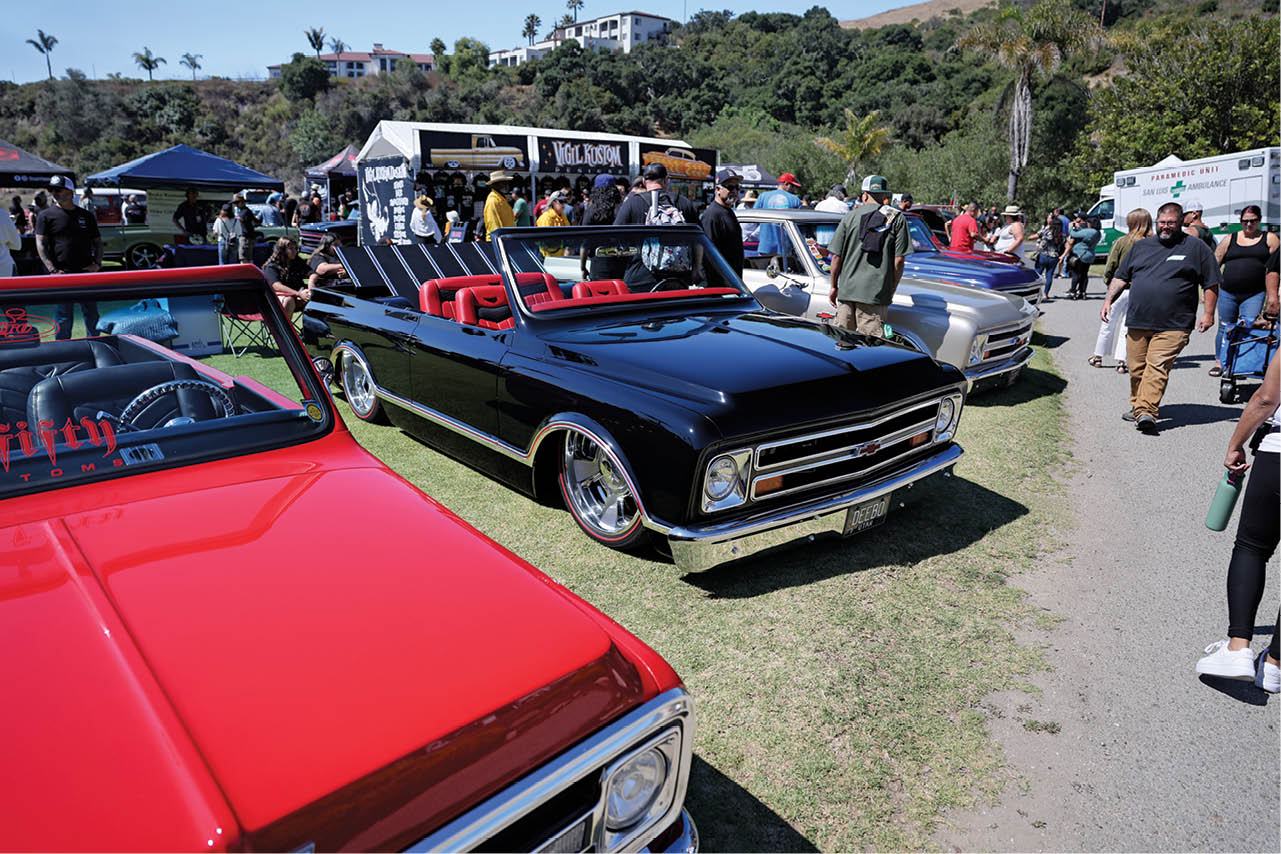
(720, 224)
(68, 241)
(868, 250)
(782, 198)
(1195, 226)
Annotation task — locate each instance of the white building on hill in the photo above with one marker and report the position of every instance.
(352, 63)
(619, 31)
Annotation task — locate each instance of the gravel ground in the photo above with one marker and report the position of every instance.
(1125, 749)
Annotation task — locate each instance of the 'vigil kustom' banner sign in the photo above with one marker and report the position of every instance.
(386, 188)
(581, 155)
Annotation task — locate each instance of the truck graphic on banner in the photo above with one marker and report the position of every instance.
(484, 153)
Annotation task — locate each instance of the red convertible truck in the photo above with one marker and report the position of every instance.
(226, 626)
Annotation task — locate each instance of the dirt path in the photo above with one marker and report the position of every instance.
(1126, 749)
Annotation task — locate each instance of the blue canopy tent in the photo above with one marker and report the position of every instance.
(183, 167)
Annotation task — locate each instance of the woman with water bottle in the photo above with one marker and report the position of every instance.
(1257, 535)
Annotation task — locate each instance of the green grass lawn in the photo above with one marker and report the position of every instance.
(837, 685)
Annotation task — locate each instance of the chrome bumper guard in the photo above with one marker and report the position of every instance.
(672, 710)
(984, 371)
(697, 548)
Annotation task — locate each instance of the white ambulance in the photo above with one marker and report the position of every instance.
(1223, 184)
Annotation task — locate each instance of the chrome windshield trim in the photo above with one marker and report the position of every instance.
(592, 755)
(760, 467)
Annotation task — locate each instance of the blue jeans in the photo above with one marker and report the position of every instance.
(66, 313)
(1232, 307)
(227, 253)
(1046, 271)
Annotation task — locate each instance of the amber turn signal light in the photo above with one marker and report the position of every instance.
(769, 484)
(918, 440)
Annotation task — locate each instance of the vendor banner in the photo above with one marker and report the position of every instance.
(477, 152)
(589, 156)
(691, 164)
(386, 191)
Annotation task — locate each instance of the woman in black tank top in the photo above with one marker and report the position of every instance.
(1241, 294)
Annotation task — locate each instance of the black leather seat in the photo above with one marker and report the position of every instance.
(83, 394)
(22, 367)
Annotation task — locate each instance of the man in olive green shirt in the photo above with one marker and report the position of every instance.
(868, 249)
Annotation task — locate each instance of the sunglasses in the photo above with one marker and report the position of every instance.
(1245, 220)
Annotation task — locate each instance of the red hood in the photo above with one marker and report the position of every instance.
(309, 629)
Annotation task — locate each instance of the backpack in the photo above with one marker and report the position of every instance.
(654, 254)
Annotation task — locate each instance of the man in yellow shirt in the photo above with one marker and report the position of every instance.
(553, 216)
(498, 211)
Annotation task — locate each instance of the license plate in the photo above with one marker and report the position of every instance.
(869, 514)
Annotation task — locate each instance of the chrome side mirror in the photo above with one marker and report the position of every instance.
(772, 270)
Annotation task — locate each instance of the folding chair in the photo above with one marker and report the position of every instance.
(241, 330)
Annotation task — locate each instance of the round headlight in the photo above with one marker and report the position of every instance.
(947, 411)
(722, 477)
(977, 348)
(633, 788)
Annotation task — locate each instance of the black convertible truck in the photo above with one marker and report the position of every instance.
(627, 372)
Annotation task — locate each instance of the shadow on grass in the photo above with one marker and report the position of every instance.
(1031, 385)
(954, 514)
(1176, 415)
(1049, 342)
(729, 818)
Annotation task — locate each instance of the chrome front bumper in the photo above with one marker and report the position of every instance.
(701, 547)
(1005, 366)
(686, 843)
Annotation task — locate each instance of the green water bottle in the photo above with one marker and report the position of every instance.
(1225, 500)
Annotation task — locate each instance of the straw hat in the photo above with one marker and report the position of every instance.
(1012, 210)
(500, 175)
(423, 202)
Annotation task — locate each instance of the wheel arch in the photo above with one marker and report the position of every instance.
(545, 464)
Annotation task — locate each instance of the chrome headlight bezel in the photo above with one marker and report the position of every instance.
(666, 745)
(949, 415)
(736, 493)
(977, 348)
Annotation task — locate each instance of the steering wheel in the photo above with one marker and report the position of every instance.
(217, 396)
(678, 285)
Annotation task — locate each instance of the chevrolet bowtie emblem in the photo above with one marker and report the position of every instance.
(867, 449)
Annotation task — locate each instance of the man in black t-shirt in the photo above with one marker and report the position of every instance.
(720, 224)
(248, 222)
(635, 208)
(68, 241)
(1165, 275)
(192, 218)
(325, 264)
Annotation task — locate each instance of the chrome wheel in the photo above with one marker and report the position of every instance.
(358, 388)
(597, 494)
(143, 256)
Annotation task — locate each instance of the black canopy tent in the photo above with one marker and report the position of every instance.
(335, 175)
(20, 168)
(752, 174)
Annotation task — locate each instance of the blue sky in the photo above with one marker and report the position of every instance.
(240, 39)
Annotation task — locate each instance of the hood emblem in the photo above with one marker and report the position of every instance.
(867, 449)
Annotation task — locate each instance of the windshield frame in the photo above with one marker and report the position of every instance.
(313, 398)
(506, 239)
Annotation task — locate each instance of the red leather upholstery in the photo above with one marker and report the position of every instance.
(525, 283)
(470, 301)
(602, 288)
(583, 302)
(436, 296)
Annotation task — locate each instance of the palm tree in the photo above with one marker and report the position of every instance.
(566, 20)
(1031, 42)
(860, 139)
(337, 45)
(192, 61)
(147, 61)
(316, 38)
(574, 6)
(44, 45)
(532, 23)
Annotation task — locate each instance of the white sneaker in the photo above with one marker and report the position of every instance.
(1266, 674)
(1221, 661)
